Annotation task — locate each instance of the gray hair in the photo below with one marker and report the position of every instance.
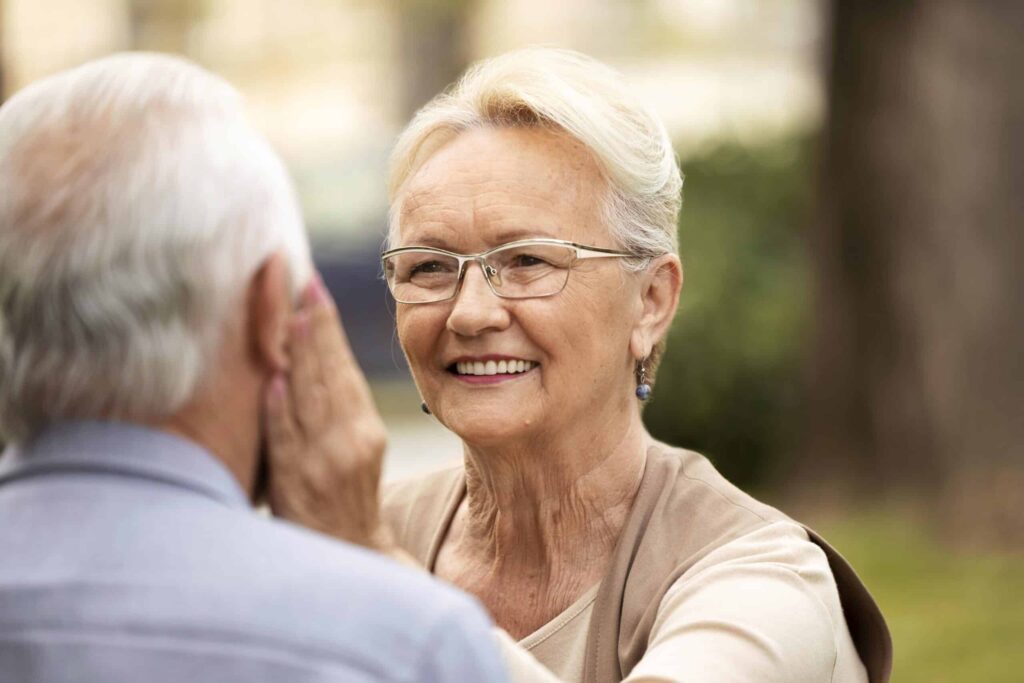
(586, 99)
(137, 202)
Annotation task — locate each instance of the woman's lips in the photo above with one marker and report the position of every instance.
(489, 379)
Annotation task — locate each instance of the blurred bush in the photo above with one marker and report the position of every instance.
(729, 384)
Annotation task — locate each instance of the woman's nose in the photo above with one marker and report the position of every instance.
(476, 308)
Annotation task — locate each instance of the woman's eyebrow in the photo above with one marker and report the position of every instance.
(428, 241)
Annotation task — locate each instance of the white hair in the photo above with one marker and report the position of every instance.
(136, 205)
(569, 91)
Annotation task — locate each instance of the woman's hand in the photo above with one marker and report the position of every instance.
(326, 439)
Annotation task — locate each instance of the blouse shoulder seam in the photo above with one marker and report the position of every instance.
(715, 489)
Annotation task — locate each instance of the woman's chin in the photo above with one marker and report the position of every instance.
(488, 428)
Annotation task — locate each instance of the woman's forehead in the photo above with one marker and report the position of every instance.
(503, 152)
(504, 184)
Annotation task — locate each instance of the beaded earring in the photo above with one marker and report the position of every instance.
(643, 389)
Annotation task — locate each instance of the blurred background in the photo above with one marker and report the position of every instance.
(850, 335)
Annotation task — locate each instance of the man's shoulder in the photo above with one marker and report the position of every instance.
(307, 589)
(284, 561)
(272, 581)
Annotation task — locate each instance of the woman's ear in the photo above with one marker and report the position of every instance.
(660, 285)
(270, 313)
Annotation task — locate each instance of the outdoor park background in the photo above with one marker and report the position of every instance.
(849, 340)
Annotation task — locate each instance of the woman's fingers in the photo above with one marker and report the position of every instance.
(326, 437)
(282, 432)
(309, 396)
(349, 395)
(340, 373)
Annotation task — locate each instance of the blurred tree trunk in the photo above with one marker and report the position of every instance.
(3, 56)
(162, 25)
(916, 382)
(434, 44)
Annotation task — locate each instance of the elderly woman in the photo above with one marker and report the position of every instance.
(532, 254)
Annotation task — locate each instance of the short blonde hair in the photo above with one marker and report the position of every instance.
(569, 91)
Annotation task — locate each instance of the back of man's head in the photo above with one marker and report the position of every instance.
(136, 204)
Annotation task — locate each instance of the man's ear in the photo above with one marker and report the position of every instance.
(270, 313)
(659, 296)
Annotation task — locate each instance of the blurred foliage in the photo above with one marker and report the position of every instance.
(729, 384)
(954, 617)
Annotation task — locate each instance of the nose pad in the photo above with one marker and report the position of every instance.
(492, 274)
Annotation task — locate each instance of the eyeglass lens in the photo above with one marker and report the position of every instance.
(519, 272)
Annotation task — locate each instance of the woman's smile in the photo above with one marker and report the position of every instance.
(491, 369)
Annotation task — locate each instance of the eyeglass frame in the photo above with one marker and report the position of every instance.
(583, 252)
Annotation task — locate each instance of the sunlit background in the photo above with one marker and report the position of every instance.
(849, 339)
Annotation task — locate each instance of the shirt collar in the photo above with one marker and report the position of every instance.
(125, 449)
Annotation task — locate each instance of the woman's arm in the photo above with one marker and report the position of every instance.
(761, 608)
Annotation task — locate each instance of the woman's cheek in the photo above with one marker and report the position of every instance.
(414, 356)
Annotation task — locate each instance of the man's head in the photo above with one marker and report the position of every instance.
(147, 237)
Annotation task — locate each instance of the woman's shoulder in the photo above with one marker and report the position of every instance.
(730, 540)
(724, 524)
(700, 489)
(780, 545)
(739, 530)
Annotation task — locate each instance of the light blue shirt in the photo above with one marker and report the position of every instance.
(129, 555)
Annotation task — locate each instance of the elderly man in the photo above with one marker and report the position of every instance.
(151, 252)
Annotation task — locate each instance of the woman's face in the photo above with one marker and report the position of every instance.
(485, 188)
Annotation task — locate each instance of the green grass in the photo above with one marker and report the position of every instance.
(955, 617)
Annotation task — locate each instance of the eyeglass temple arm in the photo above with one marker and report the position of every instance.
(584, 252)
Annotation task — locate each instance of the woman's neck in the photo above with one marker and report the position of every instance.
(547, 500)
(540, 520)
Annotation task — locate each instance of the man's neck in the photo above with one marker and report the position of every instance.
(226, 435)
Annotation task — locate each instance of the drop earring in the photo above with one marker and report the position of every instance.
(424, 407)
(643, 389)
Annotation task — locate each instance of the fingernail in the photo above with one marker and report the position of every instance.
(321, 291)
(309, 294)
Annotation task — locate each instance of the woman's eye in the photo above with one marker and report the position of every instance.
(428, 267)
(527, 260)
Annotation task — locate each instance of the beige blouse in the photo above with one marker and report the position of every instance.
(762, 607)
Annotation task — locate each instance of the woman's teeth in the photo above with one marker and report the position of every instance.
(490, 367)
